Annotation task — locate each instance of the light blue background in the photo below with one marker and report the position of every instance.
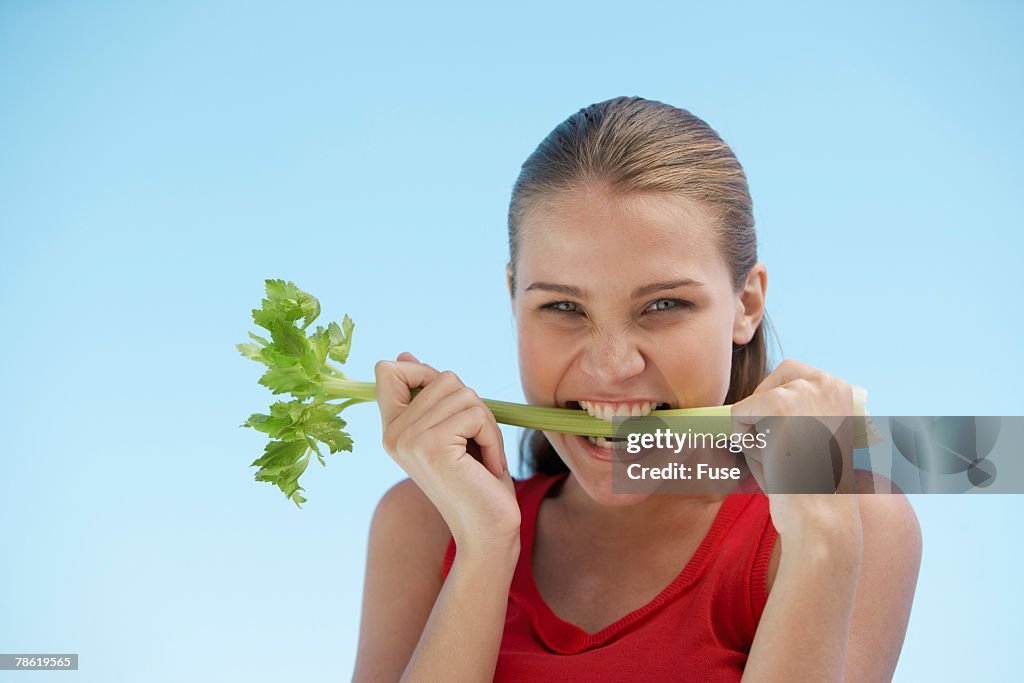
(159, 160)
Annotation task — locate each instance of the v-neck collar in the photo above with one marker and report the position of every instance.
(568, 638)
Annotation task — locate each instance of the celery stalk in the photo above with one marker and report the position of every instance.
(544, 418)
(570, 421)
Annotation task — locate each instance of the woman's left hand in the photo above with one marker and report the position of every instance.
(813, 453)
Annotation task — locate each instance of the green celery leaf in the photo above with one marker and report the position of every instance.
(274, 427)
(278, 457)
(251, 351)
(341, 339)
(288, 338)
(295, 410)
(323, 411)
(275, 356)
(336, 440)
(316, 449)
(289, 380)
(311, 364)
(310, 308)
(284, 296)
(291, 302)
(324, 425)
(266, 317)
(320, 343)
(288, 480)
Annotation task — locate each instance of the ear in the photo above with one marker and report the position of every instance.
(508, 280)
(750, 304)
(511, 288)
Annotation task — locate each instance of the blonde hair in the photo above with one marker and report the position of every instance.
(630, 144)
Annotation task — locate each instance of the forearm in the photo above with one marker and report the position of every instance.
(463, 633)
(803, 632)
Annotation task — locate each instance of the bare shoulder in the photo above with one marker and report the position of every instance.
(890, 527)
(404, 510)
(408, 539)
(408, 529)
(891, 531)
(886, 514)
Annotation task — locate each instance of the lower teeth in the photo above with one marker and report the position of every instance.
(602, 442)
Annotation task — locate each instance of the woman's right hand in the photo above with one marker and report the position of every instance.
(448, 442)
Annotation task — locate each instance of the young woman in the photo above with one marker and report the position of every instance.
(634, 281)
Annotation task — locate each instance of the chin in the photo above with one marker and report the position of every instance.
(601, 493)
(593, 474)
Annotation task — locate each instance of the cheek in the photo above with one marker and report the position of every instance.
(540, 365)
(719, 364)
(699, 364)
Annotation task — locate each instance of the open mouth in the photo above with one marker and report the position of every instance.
(607, 412)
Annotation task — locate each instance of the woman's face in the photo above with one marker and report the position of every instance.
(624, 300)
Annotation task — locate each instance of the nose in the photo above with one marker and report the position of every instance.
(611, 357)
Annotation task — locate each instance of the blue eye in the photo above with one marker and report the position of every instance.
(561, 306)
(669, 304)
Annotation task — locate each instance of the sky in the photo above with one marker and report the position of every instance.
(158, 161)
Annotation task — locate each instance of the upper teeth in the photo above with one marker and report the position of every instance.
(606, 411)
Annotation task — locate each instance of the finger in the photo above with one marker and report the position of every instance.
(789, 398)
(766, 398)
(422, 412)
(395, 382)
(408, 357)
(459, 398)
(786, 371)
(478, 424)
(746, 414)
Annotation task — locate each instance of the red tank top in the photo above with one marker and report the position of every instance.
(699, 628)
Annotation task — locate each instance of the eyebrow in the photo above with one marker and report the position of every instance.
(643, 290)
